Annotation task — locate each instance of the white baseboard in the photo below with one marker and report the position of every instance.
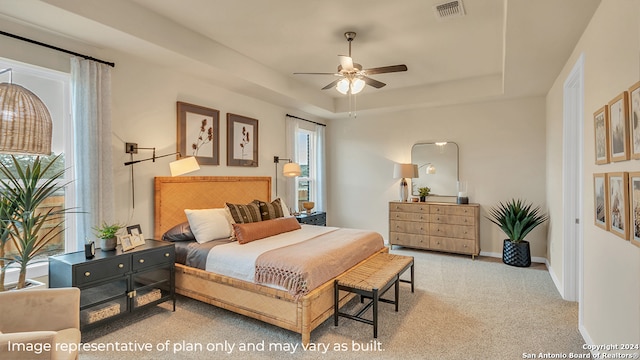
(535, 259)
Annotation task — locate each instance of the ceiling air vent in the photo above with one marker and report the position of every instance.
(449, 9)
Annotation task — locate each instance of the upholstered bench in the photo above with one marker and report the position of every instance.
(371, 280)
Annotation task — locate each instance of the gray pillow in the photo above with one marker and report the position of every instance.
(180, 232)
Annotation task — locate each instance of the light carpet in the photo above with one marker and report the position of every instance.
(461, 309)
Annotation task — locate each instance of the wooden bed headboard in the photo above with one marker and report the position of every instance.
(174, 194)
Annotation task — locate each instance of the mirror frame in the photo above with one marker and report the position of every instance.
(450, 177)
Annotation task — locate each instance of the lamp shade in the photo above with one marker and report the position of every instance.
(405, 171)
(357, 85)
(183, 166)
(25, 122)
(291, 169)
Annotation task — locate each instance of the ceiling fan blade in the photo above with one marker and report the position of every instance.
(385, 69)
(315, 73)
(375, 83)
(331, 85)
(346, 62)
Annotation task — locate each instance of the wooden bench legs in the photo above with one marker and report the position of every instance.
(374, 289)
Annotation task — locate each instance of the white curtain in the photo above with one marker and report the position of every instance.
(320, 168)
(290, 195)
(91, 110)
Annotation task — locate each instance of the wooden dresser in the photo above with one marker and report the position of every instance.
(435, 226)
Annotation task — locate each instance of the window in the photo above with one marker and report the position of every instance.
(53, 88)
(305, 182)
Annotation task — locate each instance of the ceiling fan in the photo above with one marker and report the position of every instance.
(353, 77)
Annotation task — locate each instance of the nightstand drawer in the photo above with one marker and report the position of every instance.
(102, 270)
(318, 218)
(153, 258)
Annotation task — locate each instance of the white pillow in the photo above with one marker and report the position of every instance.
(285, 208)
(209, 224)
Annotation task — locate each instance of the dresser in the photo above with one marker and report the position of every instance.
(443, 227)
(115, 283)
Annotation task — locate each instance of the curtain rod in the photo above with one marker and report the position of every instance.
(86, 57)
(299, 118)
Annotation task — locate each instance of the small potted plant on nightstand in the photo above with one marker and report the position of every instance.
(516, 218)
(424, 192)
(107, 233)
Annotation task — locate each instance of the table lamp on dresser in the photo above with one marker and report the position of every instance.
(404, 171)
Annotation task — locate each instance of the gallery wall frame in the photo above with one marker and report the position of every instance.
(634, 120)
(619, 127)
(634, 207)
(601, 200)
(242, 141)
(618, 203)
(198, 133)
(601, 134)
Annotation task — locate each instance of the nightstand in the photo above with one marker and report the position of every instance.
(316, 218)
(115, 283)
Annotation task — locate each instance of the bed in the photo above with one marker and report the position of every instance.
(278, 307)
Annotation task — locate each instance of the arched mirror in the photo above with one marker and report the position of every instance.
(437, 168)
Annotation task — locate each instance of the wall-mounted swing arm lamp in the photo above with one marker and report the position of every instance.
(290, 169)
(177, 167)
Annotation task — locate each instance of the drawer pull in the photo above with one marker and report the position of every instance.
(141, 261)
(120, 266)
(167, 254)
(87, 274)
(421, 208)
(438, 218)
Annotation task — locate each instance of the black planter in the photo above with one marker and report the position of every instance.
(516, 254)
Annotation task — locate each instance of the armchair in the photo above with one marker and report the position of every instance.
(34, 320)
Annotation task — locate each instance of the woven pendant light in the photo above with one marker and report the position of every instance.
(25, 122)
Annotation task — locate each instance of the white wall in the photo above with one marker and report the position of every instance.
(501, 149)
(611, 48)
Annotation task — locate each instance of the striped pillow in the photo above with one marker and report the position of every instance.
(242, 214)
(272, 210)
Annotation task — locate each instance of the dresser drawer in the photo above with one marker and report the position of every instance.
(409, 227)
(462, 210)
(453, 245)
(408, 216)
(409, 207)
(103, 270)
(453, 219)
(153, 258)
(410, 240)
(453, 231)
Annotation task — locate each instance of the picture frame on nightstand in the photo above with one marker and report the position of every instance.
(126, 242)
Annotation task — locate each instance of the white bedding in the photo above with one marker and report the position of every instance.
(238, 261)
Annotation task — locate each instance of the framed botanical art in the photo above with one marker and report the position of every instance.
(199, 133)
(601, 131)
(600, 192)
(618, 208)
(634, 119)
(634, 206)
(619, 128)
(242, 141)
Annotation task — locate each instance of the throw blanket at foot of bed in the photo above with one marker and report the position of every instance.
(302, 267)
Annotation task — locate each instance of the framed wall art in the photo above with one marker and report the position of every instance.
(619, 128)
(634, 205)
(618, 209)
(634, 119)
(600, 192)
(242, 141)
(199, 133)
(601, 131)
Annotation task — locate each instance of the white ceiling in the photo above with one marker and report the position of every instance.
(500, 48)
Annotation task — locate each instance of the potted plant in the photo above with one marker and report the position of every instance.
(22, 191)
(424, 192)
(516, 218)
(107, 233)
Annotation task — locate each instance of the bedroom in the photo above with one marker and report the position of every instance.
(530, 127)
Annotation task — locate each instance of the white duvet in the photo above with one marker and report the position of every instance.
(239, 260)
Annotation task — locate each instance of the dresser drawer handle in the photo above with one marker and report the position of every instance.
(141, 261)
(87, 274)
(167, 254)
(421, 208)
(438, 218)
(120, 266)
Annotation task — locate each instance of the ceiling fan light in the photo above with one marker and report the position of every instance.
(343, 86)
(357, 85)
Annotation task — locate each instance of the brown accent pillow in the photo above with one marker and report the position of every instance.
(272, 210)
(245, 213)
(246, 233)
